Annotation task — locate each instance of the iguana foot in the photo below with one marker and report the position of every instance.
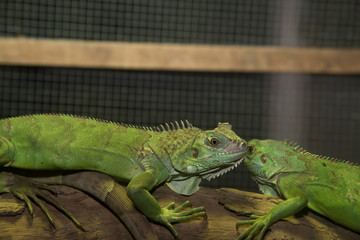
(27, 190)
(258, 223)
(169, 215)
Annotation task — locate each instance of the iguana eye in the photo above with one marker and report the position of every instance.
(263, 159)
(214, 142)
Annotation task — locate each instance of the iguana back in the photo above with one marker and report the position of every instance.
(52, 141)
(48, 142)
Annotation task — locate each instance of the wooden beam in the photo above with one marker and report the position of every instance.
(177, 57)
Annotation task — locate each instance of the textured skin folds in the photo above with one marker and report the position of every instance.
(325, 185)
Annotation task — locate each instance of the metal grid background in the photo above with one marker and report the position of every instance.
(251, 22)
(321, 112)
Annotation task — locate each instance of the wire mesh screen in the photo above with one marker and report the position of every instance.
(254, 22)
(321, 112)
(329, 110)
(141, 98)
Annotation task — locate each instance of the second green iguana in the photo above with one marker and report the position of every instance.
(178, 154)
(328, 186)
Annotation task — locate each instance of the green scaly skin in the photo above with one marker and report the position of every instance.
(180, 155)
(325, 185)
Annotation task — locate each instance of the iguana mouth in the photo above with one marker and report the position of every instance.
(216, 172)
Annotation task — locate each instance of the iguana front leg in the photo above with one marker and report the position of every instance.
(138, 190)
(262, 223)
(27, 190)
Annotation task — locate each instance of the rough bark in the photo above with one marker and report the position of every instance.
(221, 206)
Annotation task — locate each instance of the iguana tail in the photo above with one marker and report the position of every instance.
(107, 190)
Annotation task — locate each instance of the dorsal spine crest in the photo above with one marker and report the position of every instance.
(299, 149)
(169, 126)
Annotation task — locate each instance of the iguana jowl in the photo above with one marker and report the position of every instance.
(325, 185)
(180, 155)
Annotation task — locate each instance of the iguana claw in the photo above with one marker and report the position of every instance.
(26, 191)
(169, 215)
(258, 223)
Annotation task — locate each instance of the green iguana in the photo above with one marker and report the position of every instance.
(326, 185)
(178, 154)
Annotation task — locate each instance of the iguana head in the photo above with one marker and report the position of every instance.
(268, 158)
(210, 153)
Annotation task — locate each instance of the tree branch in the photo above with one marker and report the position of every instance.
(222, 206)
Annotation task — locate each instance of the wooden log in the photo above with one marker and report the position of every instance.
(177, 57)
(221, 206)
